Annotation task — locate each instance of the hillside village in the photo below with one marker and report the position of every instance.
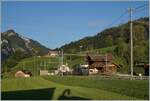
(93, 64)
(112, 64)
(94, 61)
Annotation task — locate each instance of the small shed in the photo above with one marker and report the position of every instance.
(44, 72)
(23, 73)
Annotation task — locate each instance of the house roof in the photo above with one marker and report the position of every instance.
(53, 52)
(99, 58)
(27, 72)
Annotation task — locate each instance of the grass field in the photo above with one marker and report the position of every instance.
(77, 87)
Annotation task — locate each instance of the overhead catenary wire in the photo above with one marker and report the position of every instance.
(140, 10)
(123, 20)
(136, 9)
(125, 13)
(117, 19)
(141, 6)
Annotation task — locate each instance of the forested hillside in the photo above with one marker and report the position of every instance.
(111, 36)
(119, 37)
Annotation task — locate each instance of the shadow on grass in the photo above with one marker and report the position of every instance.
(37, 94)
(65, 96)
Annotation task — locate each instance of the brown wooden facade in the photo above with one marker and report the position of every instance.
(101, 62)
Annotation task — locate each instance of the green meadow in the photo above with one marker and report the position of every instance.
(73, 87)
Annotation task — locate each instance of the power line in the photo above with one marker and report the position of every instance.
(123, 21)
(114, 21)
(140, 10)
(141, 6)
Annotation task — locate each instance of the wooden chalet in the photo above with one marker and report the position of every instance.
(103, 63)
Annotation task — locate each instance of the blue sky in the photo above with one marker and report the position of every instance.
(54, 24)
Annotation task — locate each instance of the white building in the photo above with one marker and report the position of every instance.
(63, 70)
(52, 53)
(44, 72)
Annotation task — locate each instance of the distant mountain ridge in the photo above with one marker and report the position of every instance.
(12, 41)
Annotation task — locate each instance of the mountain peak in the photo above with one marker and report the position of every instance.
(10, 32)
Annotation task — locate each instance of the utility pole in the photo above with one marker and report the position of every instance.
(106, 61)
(23, 65)
(62, 60)
(44, 65)
(80, 49)
(62, 57)
(131, 42)
(34, 63)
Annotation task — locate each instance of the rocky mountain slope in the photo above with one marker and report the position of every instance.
(12, 41)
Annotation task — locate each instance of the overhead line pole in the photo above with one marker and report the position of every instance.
(106, 61)
(131, 42)
(62, 54)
